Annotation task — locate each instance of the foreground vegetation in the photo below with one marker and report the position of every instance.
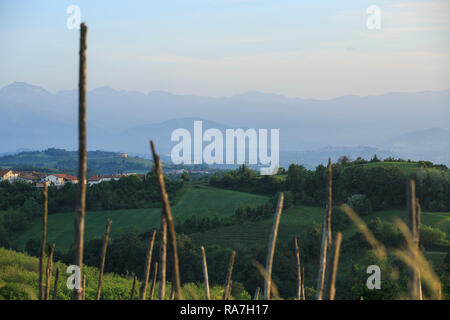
(19, 281)
(234, 211)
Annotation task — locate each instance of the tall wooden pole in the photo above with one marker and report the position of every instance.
(102, 261)
(326, 239)
(51, 249)
(43, 241)
(169, 219)
(414, 227)
(271, 247)
(82, 166)
(205, 274)
(148, 263)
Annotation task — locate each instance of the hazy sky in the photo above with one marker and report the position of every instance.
(308, 49)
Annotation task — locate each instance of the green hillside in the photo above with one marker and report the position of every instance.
(101, 162)
(297, 221)
(19, 281)
(407, 168)
(196, 200)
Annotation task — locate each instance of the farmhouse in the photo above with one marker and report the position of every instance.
(60, 179)
(99, 179)
(29, 177)
(8, 175)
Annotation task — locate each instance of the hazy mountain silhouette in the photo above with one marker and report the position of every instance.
(124, 120)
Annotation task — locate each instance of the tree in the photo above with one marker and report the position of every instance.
(185, 176)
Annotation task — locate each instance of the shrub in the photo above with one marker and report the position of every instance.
(360, 203)
(16, 291)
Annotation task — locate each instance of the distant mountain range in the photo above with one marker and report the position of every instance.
(408, 125)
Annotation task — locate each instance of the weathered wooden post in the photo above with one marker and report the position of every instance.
(148, 263)
(55, 285)
(303, 283)
(326, 238)
(51, 249)
(133, 288)
(162, 257)
(205, 274)
(226, 289)
(83, 292)
(256, 295)
(414, 227)
(271, 247)
(299, 270)
(169, 219)
(102, 262)
(337, 248)
(155, 272)
(43, 241)
(82, 166)
(418, 216)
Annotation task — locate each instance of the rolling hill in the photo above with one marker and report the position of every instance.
(200, 201)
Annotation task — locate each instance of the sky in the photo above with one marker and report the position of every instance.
(306, 49)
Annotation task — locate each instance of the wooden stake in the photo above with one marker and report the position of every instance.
(51, 249)
(229, 273)
(152, 288)
(83, 292)
(148, 263)
(133, 288)
(55, 285)
(326, 239)
(271, 247)
(303, 283)
(413, 283)
(337, 248)
(299, 270)
(205, 273)
(256, 295)
(229, 290)
(418, 220)
(163, 258)
(43, 241)
(102, 262)
(169, 220)
(82, 166)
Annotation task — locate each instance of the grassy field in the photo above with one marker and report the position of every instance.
(297, 221)
(19, 281)
(407, 168)
(196, 200)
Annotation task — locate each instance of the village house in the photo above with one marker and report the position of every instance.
(56, 179)
(29, 177)
(8, 175)
(99, 179)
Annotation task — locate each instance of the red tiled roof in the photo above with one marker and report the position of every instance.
(64, 176)
(29, 177)
(3, 172)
